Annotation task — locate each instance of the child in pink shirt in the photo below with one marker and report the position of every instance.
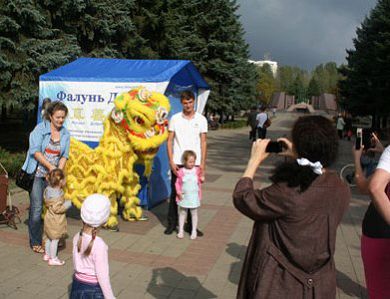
(188, 190)
(90, 253)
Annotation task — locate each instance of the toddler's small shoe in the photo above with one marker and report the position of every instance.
(56, 262)
(46, 257)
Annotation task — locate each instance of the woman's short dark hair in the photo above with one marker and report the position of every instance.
(56, 106)
(187, 95)
(314, 138)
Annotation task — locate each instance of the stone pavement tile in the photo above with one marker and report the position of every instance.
(125, 241)
(229, 292)
(128, 272)
(159, 291)
(20, 295)
(189, 283)
(177, 248)
(116, 267)
(215, 197)
(127, 294)
(34, 287)
(214, 284)
(142, 244)
(53, 292)
(182, 294)
(205, 294)
(133, 286)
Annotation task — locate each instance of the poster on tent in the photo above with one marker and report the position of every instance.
(89, 103)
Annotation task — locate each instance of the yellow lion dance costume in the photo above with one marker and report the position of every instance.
(132, 134)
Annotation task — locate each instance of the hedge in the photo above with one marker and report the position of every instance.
(12, 162)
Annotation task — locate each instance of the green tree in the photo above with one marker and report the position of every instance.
(365, 86)
(28, 48)
(298, 88)
(314, 88)
(103, 28)
(292, 79)
(327, 77)
(266, 84)
(210, 34)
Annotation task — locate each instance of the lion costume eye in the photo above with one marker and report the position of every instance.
(139, 120)
(117, 115)
(161, 115)
(143, 95)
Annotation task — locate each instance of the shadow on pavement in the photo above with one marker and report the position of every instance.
(169, 282)
(237, 251)
(350, 287)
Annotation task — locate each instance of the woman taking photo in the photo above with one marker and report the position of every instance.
(290, 254)
(48, 149)
(375, 240)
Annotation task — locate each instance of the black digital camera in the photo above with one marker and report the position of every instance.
(275, 147)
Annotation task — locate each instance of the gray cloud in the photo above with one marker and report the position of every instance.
(304, 33)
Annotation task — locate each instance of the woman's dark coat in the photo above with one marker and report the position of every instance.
(290, 253)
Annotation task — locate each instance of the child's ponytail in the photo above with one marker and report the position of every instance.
(89, 248)
(80, 241)
(87, 252)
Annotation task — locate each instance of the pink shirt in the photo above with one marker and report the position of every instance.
(93, 268)
(179, 181)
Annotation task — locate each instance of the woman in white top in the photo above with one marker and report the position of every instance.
(378, 183)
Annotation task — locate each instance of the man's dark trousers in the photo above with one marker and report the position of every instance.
(252, 133)
(262, 132)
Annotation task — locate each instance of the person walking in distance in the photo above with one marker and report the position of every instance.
(261, 118)
(187, 131)
(340, 125)
(252, 122)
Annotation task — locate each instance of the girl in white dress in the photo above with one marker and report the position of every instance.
(188, 190)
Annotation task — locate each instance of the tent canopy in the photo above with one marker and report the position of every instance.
(125, 70)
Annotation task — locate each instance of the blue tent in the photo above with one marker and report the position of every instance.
(89, 85)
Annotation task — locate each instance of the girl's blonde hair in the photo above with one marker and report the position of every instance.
(55, 176)
(87, 252)
(186, 156)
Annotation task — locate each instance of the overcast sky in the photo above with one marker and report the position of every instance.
(304, 33)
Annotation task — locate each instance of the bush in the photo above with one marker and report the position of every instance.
(240, 123)
(12, 162)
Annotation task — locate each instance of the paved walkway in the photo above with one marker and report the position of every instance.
(145, 263)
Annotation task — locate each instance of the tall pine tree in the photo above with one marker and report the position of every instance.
(209, 33)
(365, 87)
(29, 47)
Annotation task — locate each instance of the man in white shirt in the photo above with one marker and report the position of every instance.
(187, 131)
(261, 118)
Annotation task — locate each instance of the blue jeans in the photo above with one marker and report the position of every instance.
(34, 216)
(82, 290)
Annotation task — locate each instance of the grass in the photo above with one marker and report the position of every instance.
(236, 124)
(12, 162)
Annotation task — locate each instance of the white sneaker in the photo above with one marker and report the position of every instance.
(56, 262)
(180, 235)
(46, 257)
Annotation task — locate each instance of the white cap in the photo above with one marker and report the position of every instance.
(95, 210)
